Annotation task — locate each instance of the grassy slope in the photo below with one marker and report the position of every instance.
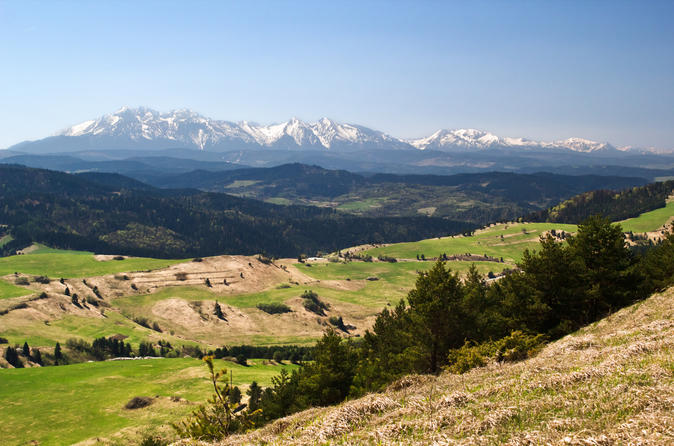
(649, 221)
(486, 241)
(8, 291)
(609, 383)
(67, 404)
(68, 264)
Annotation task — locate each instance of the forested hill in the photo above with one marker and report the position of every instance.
(613, 205)
(479, 198)
(109, 215)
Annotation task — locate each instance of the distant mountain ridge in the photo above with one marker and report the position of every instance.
(147, 129)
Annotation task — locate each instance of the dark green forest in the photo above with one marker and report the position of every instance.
(615, 206)
(114, 216)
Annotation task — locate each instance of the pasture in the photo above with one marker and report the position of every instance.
(81, 401)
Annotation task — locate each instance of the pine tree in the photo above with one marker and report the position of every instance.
(217, 311)
(436, 309)
(235, 395)
(58, 356)
(26, 350)
(37, 356)
(12, 357)
(254, 393)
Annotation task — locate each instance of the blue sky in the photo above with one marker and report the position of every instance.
(603, 70)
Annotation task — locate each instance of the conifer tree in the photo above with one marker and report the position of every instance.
(58, 355)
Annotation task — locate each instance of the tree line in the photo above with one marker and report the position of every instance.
(625, 204)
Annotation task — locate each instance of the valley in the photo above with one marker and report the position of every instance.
(132, 294)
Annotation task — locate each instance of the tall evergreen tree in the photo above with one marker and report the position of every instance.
(12, 357)
(601, 247)
(254, 393)
(58, 355)
(437, 315)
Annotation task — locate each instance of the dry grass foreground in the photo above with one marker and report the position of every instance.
(610, 383)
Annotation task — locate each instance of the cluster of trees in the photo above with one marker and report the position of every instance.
(292, 353)
(13, 355)
(449, 323)
(615, 206)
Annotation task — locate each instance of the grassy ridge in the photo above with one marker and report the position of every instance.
(649, 221)
(69, 264)
(516, 238)
(67, 404)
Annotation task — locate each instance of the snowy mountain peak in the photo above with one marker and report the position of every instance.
(187, 129)
(473, 139)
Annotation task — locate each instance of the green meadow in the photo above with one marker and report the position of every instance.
(7, 290)
(68, 404)
(503, 240)
(69, 264)
(649, 221)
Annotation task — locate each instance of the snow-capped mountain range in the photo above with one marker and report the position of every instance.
(143, 128)
(189, 129)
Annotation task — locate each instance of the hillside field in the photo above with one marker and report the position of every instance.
(650, 221)
(69, 404)
(502, 240)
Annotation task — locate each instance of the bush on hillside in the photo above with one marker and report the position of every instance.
(313, 303)
(42, 279)
(274, 308)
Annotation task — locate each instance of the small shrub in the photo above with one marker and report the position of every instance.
(274, 308)
(181, 276)
(155, 327)
(142, 321)
(134, 287)
(313, 303)
(518, 346)
(197, 259)
(283, 286)
(138, 402)
(264, 259)
(152, 440)
(3, 340)
(92, 301)
(338, 322)
(42, 279)
(387, 259)
(468, 357)
(22, 281)
(118, 258)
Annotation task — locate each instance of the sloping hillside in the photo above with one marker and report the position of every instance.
(609, 383)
